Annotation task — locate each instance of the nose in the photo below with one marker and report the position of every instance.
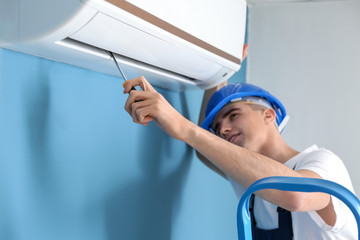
(224, 129)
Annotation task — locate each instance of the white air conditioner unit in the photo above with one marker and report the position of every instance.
(176, 45)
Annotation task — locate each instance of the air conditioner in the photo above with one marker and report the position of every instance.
(176, 45)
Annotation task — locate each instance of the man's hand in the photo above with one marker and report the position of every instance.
(147, 105)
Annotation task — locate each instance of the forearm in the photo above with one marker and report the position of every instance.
(242, 165)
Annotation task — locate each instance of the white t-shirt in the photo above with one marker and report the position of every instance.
(309, 225)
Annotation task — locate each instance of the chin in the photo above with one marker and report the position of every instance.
(240, 144)
(249, 147)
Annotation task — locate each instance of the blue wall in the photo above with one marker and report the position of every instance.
(74, 166)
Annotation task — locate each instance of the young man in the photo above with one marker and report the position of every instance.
(247, 146)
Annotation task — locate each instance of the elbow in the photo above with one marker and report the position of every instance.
(305, 201)
(295, 207)
(296, 202)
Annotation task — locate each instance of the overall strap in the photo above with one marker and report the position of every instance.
(284, 216)
(285, 219)
(251, 210)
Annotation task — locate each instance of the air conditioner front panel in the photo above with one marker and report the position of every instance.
(110, 34)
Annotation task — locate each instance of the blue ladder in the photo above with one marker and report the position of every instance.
(296, 185)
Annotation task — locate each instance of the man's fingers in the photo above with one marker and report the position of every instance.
(135, 96)
(141, 114)
(140, 81)
(138, 106)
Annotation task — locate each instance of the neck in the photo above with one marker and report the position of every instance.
(277, 149)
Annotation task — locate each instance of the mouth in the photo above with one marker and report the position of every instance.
(232, 138)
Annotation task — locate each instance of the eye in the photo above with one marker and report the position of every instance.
(233, 116)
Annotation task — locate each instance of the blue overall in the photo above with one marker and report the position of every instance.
(283, 232)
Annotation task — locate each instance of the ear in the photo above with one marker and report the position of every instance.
(269, 115)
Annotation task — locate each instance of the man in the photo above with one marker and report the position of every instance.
(247, 146)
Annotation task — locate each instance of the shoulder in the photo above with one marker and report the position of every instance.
(325, 163)
(322, 161)
(315, 155)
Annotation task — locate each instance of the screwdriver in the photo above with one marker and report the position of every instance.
(119, 68)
